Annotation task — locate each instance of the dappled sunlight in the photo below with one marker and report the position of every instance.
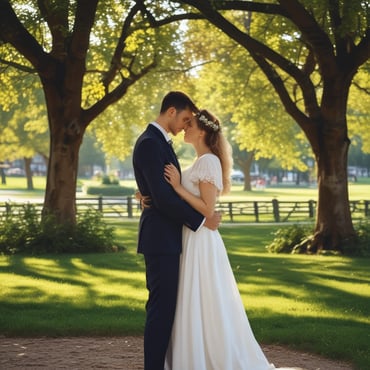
(359, 289)
(277, 299)
(4, 261)
(303, 286)
(19, 289)
(267, 307)
(77, 281)
(282, 305)
(297, 299)
(45, 267)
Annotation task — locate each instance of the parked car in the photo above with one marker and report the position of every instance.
(237, 176)
(19, 172)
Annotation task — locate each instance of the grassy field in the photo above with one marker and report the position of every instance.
(16, 186)
(314, 303)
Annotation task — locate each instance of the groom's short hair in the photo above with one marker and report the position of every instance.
(179, 100)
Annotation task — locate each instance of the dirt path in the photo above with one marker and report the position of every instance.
(124, 353)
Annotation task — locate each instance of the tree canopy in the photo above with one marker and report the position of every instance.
(87, 54)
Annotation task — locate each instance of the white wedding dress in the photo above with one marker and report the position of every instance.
(211, 330)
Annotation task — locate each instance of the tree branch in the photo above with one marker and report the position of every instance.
(114, 95)
(56, 16)
(280, 88)
(336, 21)
(173, 18)
(313, 35)
(16, 65)
(260, 51)
(115, 64)
(251, 6)
(359, 87)
(13, 32)
(80, 41)
(361, 53)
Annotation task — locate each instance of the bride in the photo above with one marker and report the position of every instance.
(211, 330)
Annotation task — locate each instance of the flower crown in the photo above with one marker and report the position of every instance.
(202, 118)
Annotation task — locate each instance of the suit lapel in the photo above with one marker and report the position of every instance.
(175, 157)
(153, 130)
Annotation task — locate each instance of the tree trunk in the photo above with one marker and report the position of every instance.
(66, 133)
(247, 165)
(334, 229)
(2, 173)
(334, 226)
(297, 178)
(60, 193)
(27, 167)
(247, 181)
(244, 160)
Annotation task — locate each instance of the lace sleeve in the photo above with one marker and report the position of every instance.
(208, 169)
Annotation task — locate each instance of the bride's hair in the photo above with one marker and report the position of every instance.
(218, 145)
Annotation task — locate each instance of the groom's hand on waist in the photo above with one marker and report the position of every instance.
(145, 200)
(213, 222)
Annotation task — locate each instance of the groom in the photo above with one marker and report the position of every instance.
(160, 229)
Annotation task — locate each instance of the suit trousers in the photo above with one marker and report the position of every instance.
(162, 276)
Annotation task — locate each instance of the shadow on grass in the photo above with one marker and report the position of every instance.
(63, 295)
(338, 339)
(315, 303)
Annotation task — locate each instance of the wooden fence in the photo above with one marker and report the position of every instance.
(238, 211)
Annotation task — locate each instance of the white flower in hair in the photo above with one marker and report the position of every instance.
(208, 122)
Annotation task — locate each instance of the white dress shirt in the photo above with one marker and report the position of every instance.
(162, 130)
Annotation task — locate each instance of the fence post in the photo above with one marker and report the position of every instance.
(255, 205)
(7, 208)
(100, 204)
(231, 211)
(310, 208)
(275, 209)
(129, 207)
(367, 202)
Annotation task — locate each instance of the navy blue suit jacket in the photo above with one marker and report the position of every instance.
(160, 230)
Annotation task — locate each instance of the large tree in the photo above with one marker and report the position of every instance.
(311, 67)
(86, 54)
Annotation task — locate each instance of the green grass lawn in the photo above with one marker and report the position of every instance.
(360, 190)
(20, 183)
(314, 303)
(357, 191)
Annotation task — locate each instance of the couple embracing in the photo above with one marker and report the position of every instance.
(195, 318)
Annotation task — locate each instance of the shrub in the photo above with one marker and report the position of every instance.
(288, 237)
(361, 245)
(110, 180)
(23, 230)
(109, 190)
